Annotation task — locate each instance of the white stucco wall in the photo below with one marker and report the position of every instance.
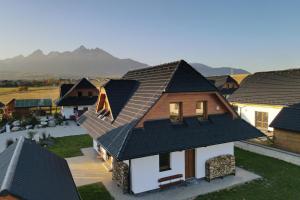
(67, 111)
(247, 112)
(145, 171)
(95, 145)
(205, 153)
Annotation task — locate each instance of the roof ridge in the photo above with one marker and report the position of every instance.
(154, 66)
(12, 165)
(274, 71)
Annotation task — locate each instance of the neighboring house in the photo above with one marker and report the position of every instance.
(287, 128)
(261, 96)
(76, 98)
(226, 84)
(29, 171)
(159, 126)
(23, 107)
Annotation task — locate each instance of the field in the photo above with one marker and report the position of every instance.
(6, 94)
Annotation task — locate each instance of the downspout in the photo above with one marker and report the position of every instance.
(129, 178)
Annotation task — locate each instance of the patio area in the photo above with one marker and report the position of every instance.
(88, 169)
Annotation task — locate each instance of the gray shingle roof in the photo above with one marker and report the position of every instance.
(120, 137)
(272, 88)
(118, 93)
(29, 171)
(160, 136)
(288, 119)
(152, 82)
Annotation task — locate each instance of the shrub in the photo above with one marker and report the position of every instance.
(9, 142)
(31, 134)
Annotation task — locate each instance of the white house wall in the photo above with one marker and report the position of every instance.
(67, 111)
(145, 171)
(247, 112)
(205, 153)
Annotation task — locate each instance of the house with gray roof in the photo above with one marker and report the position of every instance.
(287, 128)
(29, 171)
(226, 84)
(163, 125)
(74, 99)
(262, 96)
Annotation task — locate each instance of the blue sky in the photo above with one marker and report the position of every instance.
(256, 35)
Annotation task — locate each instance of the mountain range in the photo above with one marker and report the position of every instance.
(82, 62)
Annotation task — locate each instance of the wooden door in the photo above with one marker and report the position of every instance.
(189, 163)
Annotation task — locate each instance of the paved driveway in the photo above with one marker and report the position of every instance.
(87, 169)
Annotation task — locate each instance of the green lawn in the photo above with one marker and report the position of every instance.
(70, 146)
(281, 180)
(94, 192)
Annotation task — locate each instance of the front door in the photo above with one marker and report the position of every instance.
(189, 163)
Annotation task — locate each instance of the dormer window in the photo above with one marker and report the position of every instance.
(176, 112)
(201, 110)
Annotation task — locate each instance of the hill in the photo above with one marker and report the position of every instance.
(81, 62)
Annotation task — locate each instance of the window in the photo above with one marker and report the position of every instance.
(201, 110)
(79, 94)
(90, 93)
(164, 162)
(176, 112)
(261, 120)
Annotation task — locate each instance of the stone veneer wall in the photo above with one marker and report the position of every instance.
(120, 174)
(219, 166)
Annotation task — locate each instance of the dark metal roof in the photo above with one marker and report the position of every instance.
(288, 119)
(118, 93)
(162, 136)
(29, 103)
(66, 89)
(273, 88)
(220, 81)
(77, 101)
(29, 171)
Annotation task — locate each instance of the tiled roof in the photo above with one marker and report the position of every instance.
(152, 81)
(118, 93)
(66, 89)
(272, 88)
(120, 137)
(160, 136)
(29, 171)
(288, 119)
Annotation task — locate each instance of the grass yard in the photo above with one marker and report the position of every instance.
(281, 180)
(6, 94)
(70, 146)
(94, 191)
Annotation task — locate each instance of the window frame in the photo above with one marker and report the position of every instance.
(261, 120)
(204, 115)
(164, 165)
(180, 113)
